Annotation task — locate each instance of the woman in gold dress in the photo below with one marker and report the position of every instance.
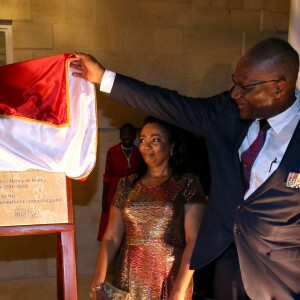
(154, 220)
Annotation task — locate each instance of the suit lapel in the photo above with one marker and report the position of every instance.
(240, 133)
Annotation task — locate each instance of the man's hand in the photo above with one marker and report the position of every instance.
(88, 68)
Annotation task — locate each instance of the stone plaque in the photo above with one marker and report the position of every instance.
(33, 197)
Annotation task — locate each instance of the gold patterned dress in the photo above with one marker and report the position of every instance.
(154, 238)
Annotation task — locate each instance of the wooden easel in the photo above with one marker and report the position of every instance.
(65, 243)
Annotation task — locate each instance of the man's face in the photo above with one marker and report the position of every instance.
(127, 136)
(254, 91)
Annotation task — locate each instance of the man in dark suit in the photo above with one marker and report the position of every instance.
(251, 226)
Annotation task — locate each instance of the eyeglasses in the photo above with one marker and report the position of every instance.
(244, 87)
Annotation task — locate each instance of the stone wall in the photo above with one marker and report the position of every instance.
(188, 45)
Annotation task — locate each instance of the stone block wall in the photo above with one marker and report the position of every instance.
(188, 45)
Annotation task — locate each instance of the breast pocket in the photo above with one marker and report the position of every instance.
(285, 253)
(288, 232)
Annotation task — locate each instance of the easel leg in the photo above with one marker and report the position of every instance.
(66, 266)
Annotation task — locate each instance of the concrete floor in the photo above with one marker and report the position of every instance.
(39, 289)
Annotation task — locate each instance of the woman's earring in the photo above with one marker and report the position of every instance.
(172, 150)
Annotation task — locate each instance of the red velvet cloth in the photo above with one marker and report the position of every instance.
(35, 89)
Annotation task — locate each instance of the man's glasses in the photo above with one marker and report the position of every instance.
(244, 87)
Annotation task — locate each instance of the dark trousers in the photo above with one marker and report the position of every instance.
(203, 282)
(228, 283)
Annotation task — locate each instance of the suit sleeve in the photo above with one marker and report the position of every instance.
(193, 114)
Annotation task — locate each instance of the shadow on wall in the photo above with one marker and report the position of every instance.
(23, 247)
(29, 256)
(217, 79)
(113, 114)
(84, 192)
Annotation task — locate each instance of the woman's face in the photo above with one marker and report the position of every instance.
(155, 145)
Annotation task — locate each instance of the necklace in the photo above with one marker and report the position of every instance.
(125, 148)
(127, 156)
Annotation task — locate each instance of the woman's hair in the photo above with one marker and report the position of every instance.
(179, 160)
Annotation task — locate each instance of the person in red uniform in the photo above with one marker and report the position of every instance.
(122, 159)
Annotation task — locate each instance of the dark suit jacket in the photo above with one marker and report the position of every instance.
(266, 226)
